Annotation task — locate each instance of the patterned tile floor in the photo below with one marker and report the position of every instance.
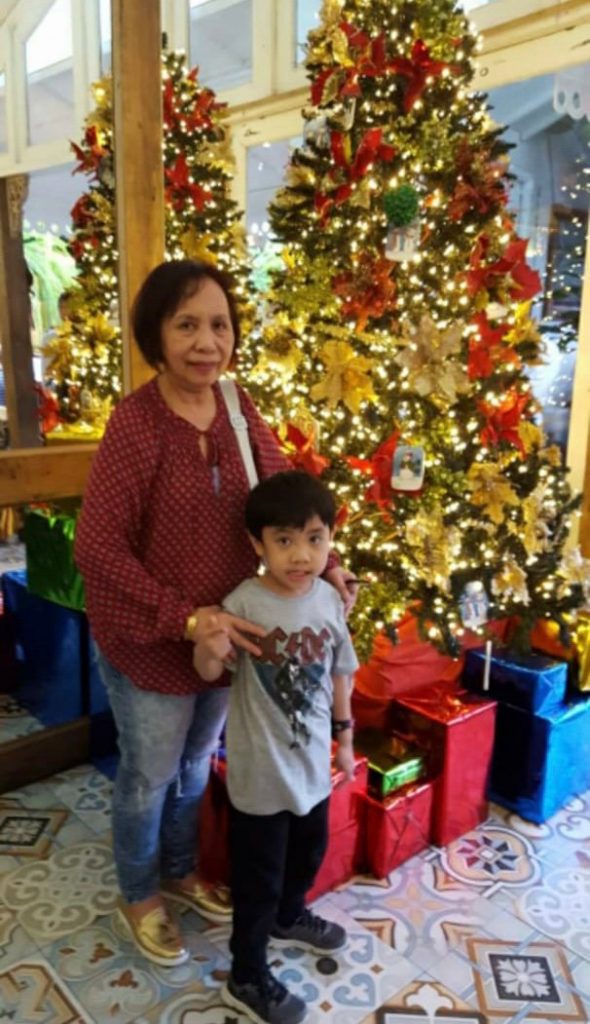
(493, 928)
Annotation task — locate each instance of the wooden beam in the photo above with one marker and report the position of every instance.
(41, 754)
(137, 79)
(15, 317)
(44, 474)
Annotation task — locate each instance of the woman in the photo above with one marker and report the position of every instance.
(160, 541)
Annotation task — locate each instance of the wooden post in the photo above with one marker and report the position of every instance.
(15, 318)
(138, 160)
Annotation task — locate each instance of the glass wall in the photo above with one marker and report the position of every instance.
(220, 42)
(550, 132)
(49, 76)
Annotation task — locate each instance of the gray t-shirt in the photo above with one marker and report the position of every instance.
(279, 725)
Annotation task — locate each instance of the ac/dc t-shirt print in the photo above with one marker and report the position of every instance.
(278, 730)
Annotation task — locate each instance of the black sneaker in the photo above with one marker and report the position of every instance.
(266, 1001)
(311, 932)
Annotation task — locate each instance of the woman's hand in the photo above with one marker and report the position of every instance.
(240, 632)
(343, 580)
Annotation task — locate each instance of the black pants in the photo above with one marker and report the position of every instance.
(274, 860)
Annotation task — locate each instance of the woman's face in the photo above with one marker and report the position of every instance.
(198, 339)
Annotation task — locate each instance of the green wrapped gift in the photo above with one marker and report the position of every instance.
(393, 761)
(49, 543)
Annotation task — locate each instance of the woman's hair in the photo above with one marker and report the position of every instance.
(290, 498)
(162, 292)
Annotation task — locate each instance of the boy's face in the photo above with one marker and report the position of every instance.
(294, 557)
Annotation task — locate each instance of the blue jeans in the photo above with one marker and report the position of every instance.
(166, 743)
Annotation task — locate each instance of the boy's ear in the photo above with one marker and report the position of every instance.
(257, 545)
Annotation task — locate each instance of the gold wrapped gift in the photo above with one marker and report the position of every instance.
(581, 639)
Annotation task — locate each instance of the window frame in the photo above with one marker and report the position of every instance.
(175, 22)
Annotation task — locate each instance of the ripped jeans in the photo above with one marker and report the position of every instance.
(166, 743)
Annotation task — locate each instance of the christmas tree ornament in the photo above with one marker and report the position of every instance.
(474, 605)
(407, 470)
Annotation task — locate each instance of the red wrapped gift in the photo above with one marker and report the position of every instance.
(398, 828)
(457, 730)
(346, 843)
(213, 862)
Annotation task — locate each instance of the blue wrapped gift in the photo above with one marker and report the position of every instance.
(532, 682)
(540, 761)
(55, 673)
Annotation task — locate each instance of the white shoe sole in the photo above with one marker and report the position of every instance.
(237, 1004)
(208, 915)
(161, 961)
(301, 944)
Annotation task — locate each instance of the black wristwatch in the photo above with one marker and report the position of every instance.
(341, 725)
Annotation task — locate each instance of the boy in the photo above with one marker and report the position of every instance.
(284, 707)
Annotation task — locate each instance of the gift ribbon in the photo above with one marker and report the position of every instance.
(443, 704)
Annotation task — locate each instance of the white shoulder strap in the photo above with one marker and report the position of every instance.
(239, 422)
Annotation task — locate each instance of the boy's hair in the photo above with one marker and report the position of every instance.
(288, 499)
(162, 292)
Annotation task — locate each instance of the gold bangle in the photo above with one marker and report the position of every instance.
(191, 625)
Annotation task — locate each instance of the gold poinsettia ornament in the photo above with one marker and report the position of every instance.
(490, 490)
(346, 378)
(434, 547)
(511, 583)
(429, 359)
(574, 570)
(196, 245)
(328, 43)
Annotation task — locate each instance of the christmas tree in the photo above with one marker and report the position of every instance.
(399, 331)
(202, 222)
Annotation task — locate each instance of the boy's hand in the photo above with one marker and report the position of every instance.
(214, 640)
(345, 759)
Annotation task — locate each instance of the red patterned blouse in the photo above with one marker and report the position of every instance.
(162, 532)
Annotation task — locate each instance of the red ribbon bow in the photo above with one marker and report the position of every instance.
(417, 70)
(370, 149)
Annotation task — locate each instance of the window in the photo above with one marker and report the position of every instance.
(47, 220)
(221, 42)
(50, 79)
(3, 139)
(548, 126)
(265, 172)
(307, 17)
(104, 14)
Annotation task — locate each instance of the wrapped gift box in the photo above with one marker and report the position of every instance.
(53, 660)
(540, 761)
(533, 682)
(344, 856)
(393, 762)
(456, 728)
(51, 572)
(398, 828)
